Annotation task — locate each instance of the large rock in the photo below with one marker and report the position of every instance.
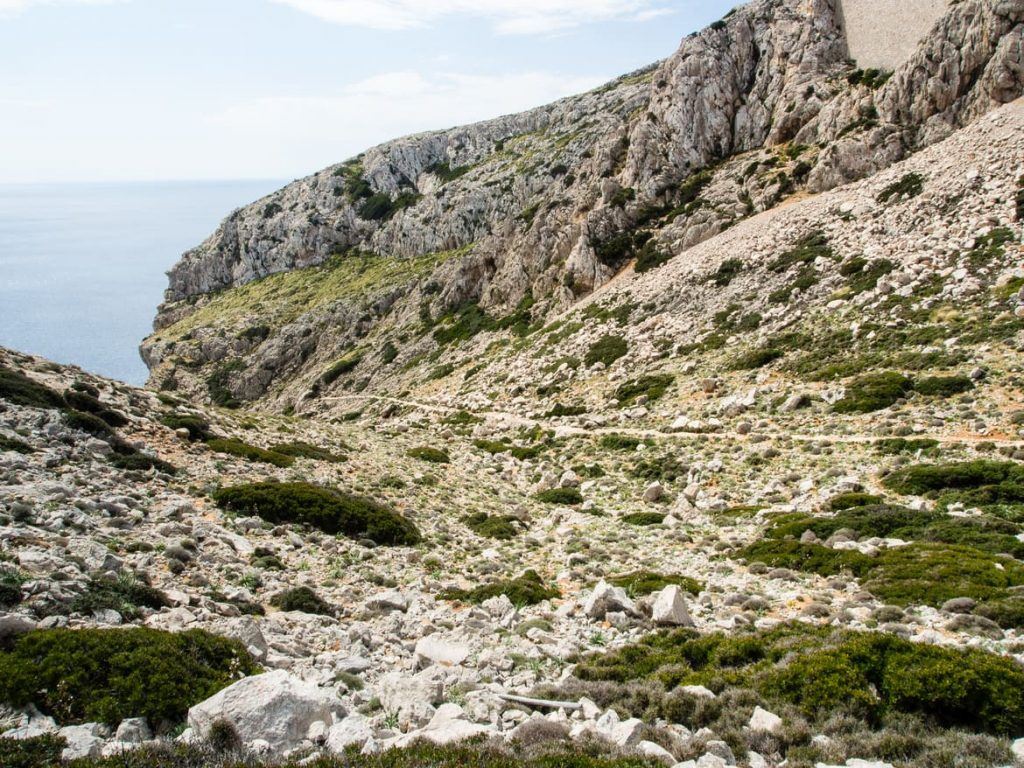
(82, 741)
(447, 726)
(436, 650)
(354, 731)
(669, 607)
(275, 706)
(606, 599)
(411, 697)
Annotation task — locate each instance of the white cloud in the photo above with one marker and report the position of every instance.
(507, 16)
(389, 105)
(8, 7)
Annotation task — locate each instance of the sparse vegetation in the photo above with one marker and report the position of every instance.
(908, 186)
(429, 455)
(606, 350)
(528, 589)
(235, 447)
(650, 387)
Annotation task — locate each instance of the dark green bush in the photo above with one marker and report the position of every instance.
(302, 599)
(301, 450)
(125, 595)
(338, 369)
(521, 452)
(234, 447)
(874, 392)
(326, 509)
(17, 388)
(10, 589)
(812, 558)
(15, 445)
(429, 455)
(806, 251)
(896, 445)
(493, 526)
(107, 675)
(644, 518)
(38, 752)
(141, 462)
(651, 387)
(218, 384)
(620, 442)
(198, 427)
(565, 496)
(1000, 481)
(606, 350)
(527, 589)
(944, 386)
(755, 358)
(87, 422)
(83, 401)
(726, 272)
(852, 499)
(645, 582)
(651, 257)
(908, 186)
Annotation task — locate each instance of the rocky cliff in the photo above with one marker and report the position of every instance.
(533, 211)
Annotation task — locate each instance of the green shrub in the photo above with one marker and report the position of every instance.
(520, 452)
(87, 422)
(302, 599)
(852, 499)
(896, 445)
(812, 558)
(233, 447)
(755, 358)
(126, 595)
(806, 251)
(645, 582)
(620, 442)
(37, 752)
(141, 462)
(198, 427)
(650, 257)
(652, 387)
(429, 455)
(10, 589)
(218, 384)
(910, 185)
(644, 518)
(340, 367)
(665, 468)
(83, 401)
(15, 445)
(301, 450)
(527, 589)
(826, 673)
(326, 509)
(107, 675)
(560, 410)
(17, 388)
(999, 481)
(944, 386)
(493, 526)
(606, 350)
(726, 272)
(874, 392)
(565, 496)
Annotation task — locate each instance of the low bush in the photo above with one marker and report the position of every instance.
(606, 350)
(340, 367)
(620, 442)
(651, 257)
(897, 445)
(17, 388)
(908, 186)
(219, 384)
(943, 386)
(15, 445)
(665, 468)
(126, 595)
(825, 673)
(559, 410)
(565, 496)
(198, 428)
(645, 582)
(874, 392)
(852, 499)
(326, 509)
(302, 599)
(998, 481)
(233, 447)
(651, 387)
(493, 526)
(528, 589)
(300, 450)
(429, 455)
(36, 752)
(141, 462)
(644, 518)
(755, 358)
(520, 452)
(811, 558)
(726, 272)
(107, 675)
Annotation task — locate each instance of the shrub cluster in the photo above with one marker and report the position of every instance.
(302, 599)
(234, 447)
(429, 455)
(528, 589)
(493, 526)
(107, 675)
(645, 582)
(652, 387)
(126, 595)
(565, 496)
(606, 350)
(326, 509)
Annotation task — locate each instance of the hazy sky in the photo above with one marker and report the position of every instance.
(209, 89)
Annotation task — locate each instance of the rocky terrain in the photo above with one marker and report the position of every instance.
(678, 423)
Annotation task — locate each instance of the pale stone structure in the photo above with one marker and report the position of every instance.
(882, 34)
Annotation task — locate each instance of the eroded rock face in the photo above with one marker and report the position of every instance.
(549, 204)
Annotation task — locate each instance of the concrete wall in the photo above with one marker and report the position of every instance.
(882, 34)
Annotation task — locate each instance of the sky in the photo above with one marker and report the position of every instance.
(140, 90)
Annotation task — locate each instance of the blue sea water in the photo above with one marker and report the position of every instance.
(82, 265)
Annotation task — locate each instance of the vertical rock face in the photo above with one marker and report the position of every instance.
(882, 34)
(548, 205)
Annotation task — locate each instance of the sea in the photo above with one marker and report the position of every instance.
(82, 266)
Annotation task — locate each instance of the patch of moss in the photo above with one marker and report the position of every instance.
(340, 367)
(107, 675)
(755, 358)
(326, 509)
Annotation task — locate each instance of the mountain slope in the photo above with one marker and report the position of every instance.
(521, 216)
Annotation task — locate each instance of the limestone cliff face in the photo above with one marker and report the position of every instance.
(550, 204)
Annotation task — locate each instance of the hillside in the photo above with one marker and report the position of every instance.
(678, 423)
